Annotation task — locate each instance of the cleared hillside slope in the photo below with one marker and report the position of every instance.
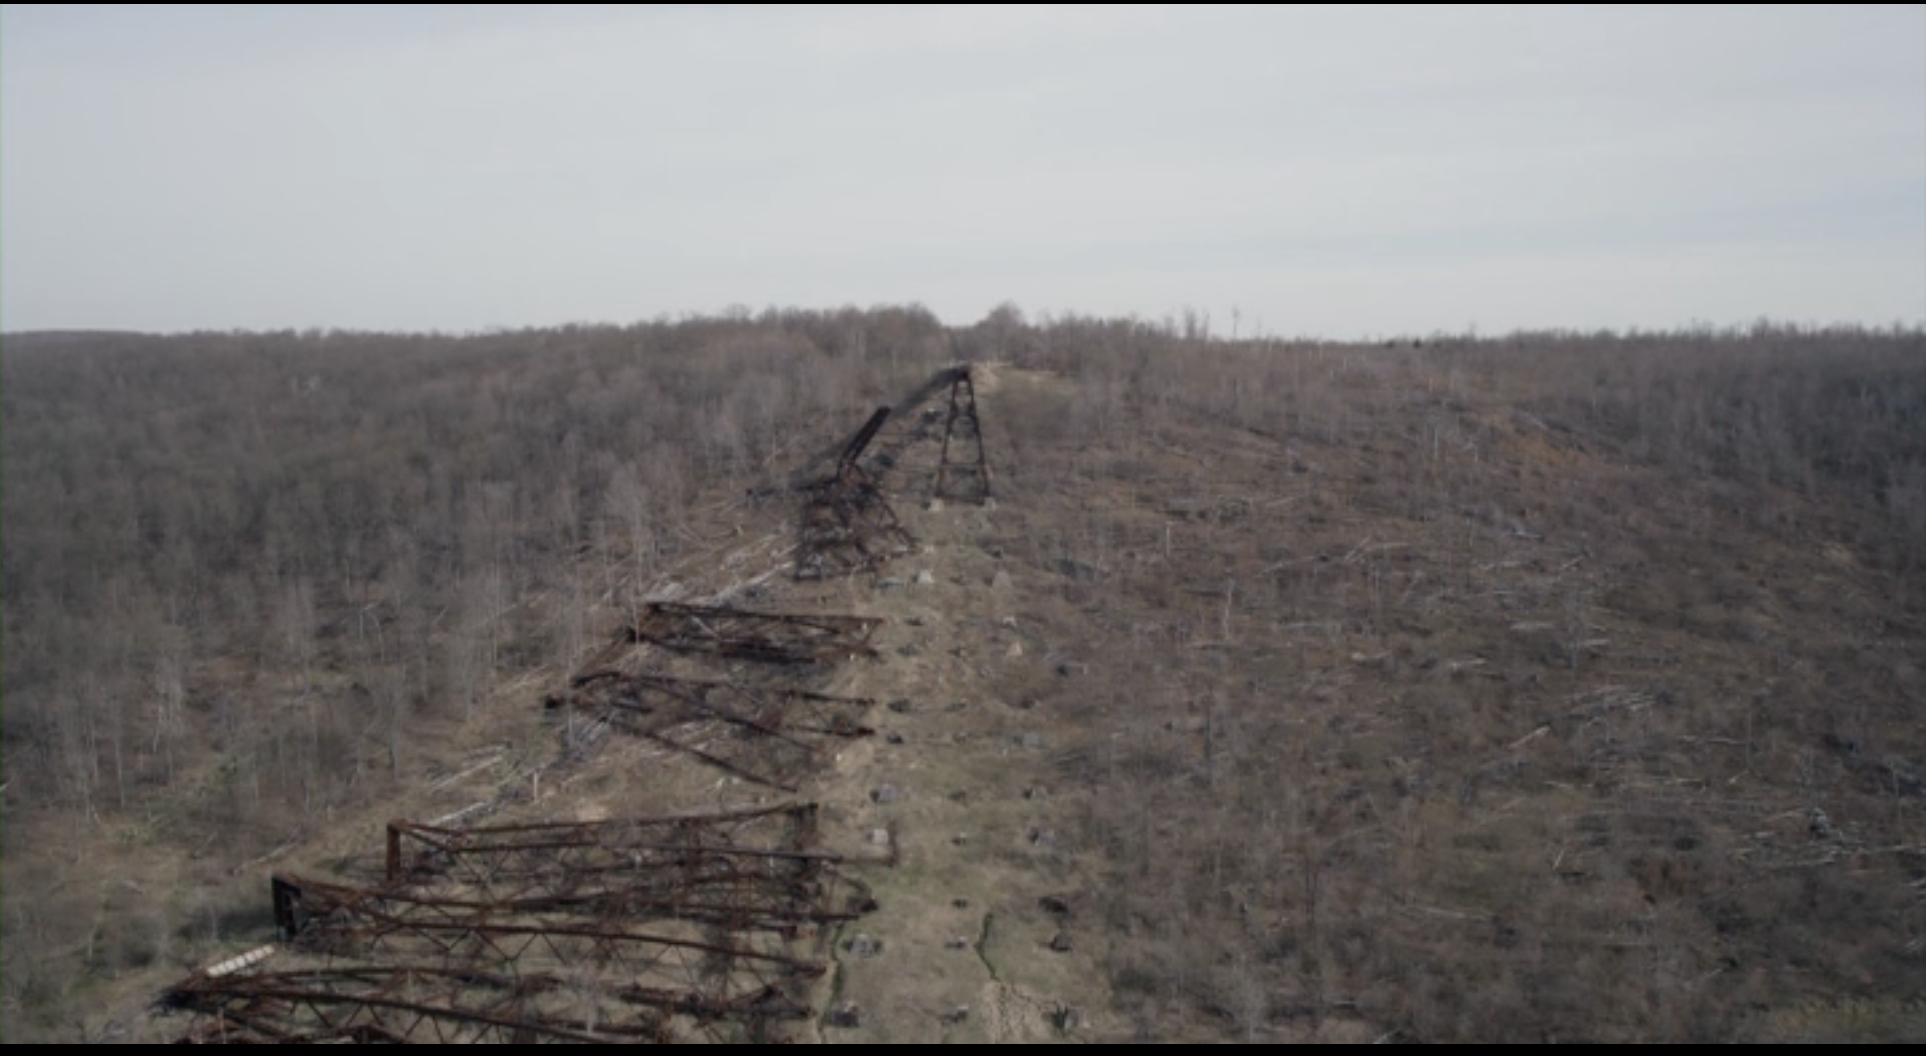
(1492, 691)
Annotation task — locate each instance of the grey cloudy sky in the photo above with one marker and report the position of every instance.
(1331, 170)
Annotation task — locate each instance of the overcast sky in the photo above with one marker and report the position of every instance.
(1321, 170)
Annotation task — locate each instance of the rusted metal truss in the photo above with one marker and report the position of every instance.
(921, 424)
(689, 961)
(535, 985)
(848, 527)
(769, 736)
(847, 524)
(699, 927)
(557, 858)
(427, 1005)
(860, 442)
(702, 927)
(770, 637)
(962, 471)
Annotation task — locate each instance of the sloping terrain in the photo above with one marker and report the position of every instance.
(1429, 719)
(1274, 694)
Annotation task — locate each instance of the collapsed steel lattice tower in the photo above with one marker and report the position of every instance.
(641, 930)
(962, 471)
(769, 736)
(847, 524)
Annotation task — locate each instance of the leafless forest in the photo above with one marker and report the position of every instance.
(1550, 686)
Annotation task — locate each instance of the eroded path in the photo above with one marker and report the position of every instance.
(976, 937)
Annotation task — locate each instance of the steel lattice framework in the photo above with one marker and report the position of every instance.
(776, 638)
(373, 1005)
(648, 930)
(847, 525)
(743, 869)
(962, 470)
(654, 929)
(769, 736)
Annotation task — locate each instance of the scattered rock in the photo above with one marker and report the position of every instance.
(926, 578)
(1015, 650)
(1000, 581)
(1061, 943)
(844, 1014)
(886, 794)
(864, 946)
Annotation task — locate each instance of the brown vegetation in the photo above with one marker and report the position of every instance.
(1552, 686)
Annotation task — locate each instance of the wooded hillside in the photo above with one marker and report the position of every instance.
(1329, 594)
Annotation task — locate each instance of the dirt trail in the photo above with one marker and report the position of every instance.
(957, 783)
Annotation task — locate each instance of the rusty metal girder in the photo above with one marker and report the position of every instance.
(745, 870)
(848, 527)
(730, 966)
(740, 895)
(769, 637)
(962, 470)
(770, 736)
(677, 951)
(425, 1004)
(552, 857)
(854, 449)
(684, 927)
